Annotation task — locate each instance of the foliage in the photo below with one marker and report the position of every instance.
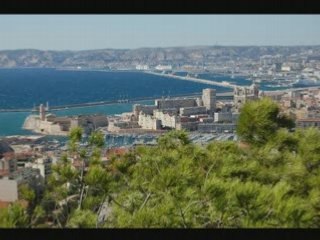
(72, 192)
(14, 216)
(82, 219)
(96, 139)
(259, 121)
(271, 181)
(26, 193)
(38, 216)
(76, 134)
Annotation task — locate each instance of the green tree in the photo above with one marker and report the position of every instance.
(26, 193)
(259, 120)
(90, 181)
(173, 139)
(96, 139)
(14, 216)
(75, 136)
(82, 219)
(272, 183)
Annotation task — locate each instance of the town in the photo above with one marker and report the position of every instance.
(28, 159)
(160, 121)
(206, 117)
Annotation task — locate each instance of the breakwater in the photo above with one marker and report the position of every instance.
(225, 95)
(193, 79)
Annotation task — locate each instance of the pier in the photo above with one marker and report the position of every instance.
(193, 79)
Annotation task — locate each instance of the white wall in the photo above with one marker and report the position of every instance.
(8, 190)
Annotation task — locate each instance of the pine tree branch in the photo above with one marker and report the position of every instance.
(145, 201)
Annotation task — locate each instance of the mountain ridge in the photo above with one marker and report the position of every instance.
(113, 58)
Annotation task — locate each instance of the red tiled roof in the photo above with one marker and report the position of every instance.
(4, 173)
(4, 204)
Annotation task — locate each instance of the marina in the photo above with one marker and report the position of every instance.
(130, 140)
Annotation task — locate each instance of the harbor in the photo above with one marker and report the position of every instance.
(131, 140)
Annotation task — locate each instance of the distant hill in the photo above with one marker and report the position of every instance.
(109, 58)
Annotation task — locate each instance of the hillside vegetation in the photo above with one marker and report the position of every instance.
(269, 179)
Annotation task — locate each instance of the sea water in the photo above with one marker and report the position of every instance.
(23, 88)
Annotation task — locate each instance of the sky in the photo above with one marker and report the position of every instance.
(84, 32)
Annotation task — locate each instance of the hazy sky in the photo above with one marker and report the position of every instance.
(79, 32)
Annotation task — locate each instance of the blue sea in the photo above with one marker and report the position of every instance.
(23, 88)
(11, 122)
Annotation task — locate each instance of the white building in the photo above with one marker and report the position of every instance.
(243, 94)
(168, 119)
(44, 166)
(209, 99)
(285, 68)
(9, 184)
(141, 67)
(149, 122)
(223, 117)
(8, 190)
(163, 67)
